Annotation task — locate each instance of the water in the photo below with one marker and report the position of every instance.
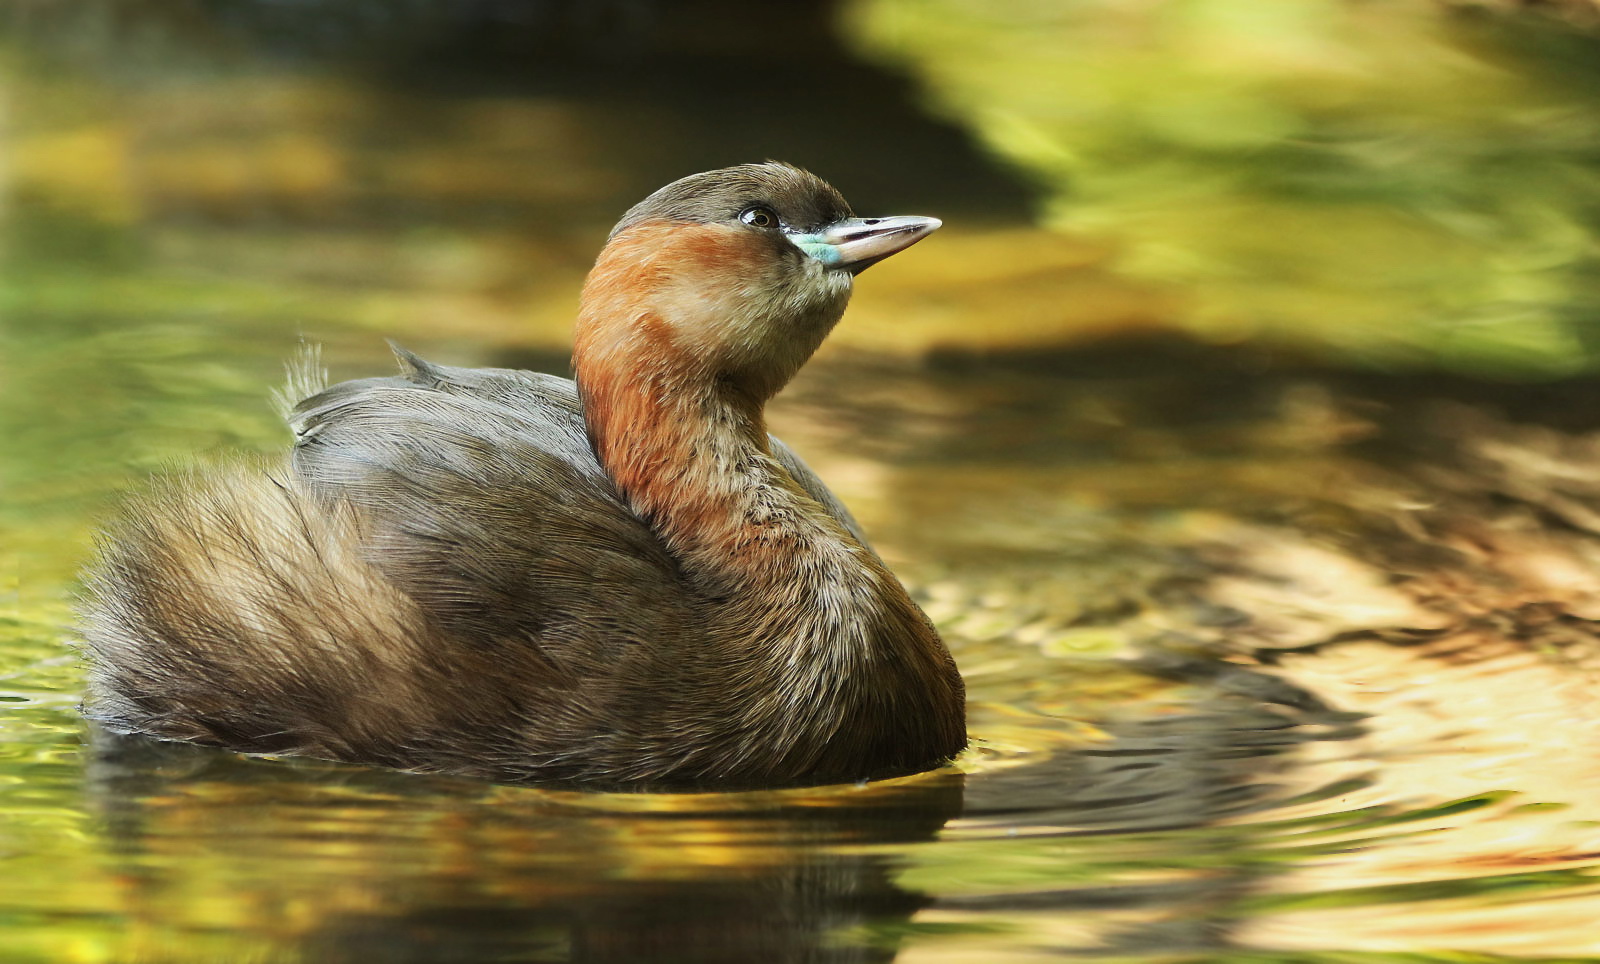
(1272, 656)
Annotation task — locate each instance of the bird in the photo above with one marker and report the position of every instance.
(620, 580)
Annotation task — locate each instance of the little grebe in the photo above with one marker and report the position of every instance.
(622, 580)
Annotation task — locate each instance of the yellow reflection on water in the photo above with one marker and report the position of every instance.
(1461, 715)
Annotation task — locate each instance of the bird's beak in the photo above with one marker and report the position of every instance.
(856, 244)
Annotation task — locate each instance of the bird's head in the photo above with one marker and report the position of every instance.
(732, 276)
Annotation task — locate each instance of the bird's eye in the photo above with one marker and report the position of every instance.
(759, 217)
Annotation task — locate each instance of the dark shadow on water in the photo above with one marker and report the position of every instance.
(1166, 784)
(1193, 381)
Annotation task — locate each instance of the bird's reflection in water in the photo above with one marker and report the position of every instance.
(334, 864)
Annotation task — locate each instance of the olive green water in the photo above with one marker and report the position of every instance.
(1277, 629)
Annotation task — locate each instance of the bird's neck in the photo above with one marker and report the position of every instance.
(694, 462)
(683, 439)
(848, 674)
(815, 642)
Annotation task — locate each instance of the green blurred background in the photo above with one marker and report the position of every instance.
(1399, 182)
(188, 187)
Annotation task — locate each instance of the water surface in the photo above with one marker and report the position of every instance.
(1277, 630)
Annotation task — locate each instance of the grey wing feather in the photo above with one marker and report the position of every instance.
(486, 505)
(443, 572)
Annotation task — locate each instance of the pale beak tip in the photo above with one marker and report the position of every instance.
(860, 243)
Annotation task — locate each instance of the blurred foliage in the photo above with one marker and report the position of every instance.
(1399, 183)
(1384, 179)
